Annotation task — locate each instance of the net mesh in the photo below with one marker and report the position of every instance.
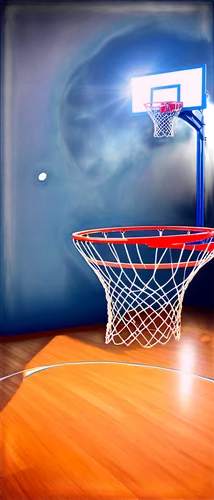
(144, 287)
(164, 117)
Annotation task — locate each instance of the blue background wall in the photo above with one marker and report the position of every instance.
(66, 112)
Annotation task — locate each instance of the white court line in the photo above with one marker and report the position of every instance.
(32, 371)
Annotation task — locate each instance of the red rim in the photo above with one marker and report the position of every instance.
(153, 105)
(168, 241)
(126, 265)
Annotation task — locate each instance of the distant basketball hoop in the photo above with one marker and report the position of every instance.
(164, 115)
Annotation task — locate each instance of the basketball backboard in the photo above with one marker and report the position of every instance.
(185, 85)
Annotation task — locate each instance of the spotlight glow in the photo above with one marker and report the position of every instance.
(42, 176)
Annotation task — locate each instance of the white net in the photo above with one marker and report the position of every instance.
(164, 116)
(144, 286)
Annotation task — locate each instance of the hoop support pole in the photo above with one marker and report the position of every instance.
(200, 177)
(198, 125)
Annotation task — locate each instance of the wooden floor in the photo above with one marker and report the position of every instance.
(139, 426)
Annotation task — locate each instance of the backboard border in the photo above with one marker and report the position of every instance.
(166, 87)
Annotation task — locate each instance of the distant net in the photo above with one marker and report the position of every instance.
(145, 278)
(164, 115)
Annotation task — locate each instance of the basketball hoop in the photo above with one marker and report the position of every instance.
(145, 277)
(164, 115)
